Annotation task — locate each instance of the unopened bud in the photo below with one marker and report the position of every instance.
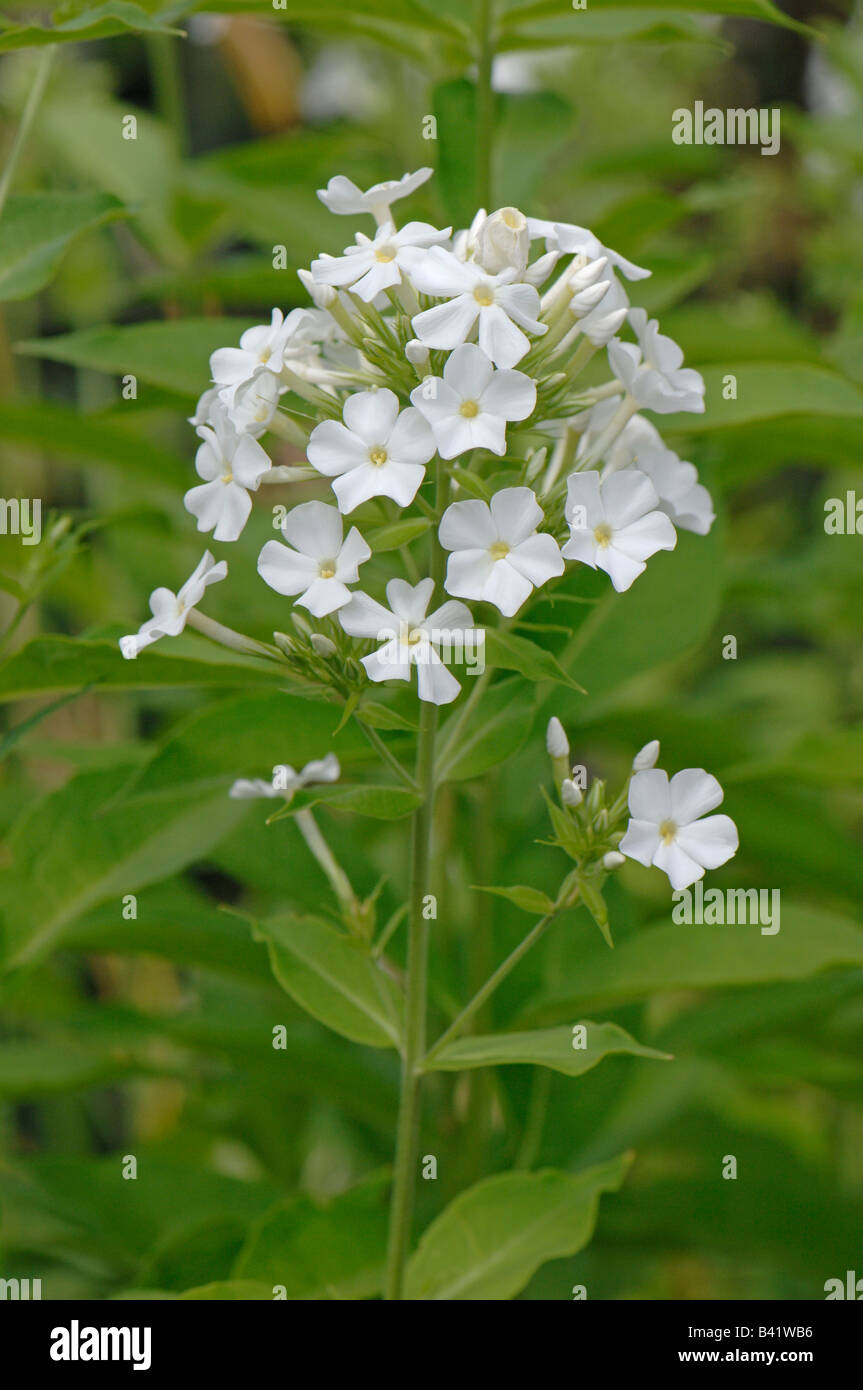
(322, 645)
(300, 624)
(416, 352)
(570, 794)
(503, 241)
(555, 739)
(323, 295)
(647, 757)
(613, 859)
(285, 644)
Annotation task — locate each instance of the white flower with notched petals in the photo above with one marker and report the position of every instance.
(377, 452)
(171, 610)
(375, 265)
(231, 465)
(409, 637)
(286, 780)
(615, 525)
(342, 195)
(652, 371)
(497, 554)
(670, 827)
(317, 562)
(492, 304)
(265, 348)
(469, 407)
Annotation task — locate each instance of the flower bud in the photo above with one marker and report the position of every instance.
(613, 859)
(323, 295)
(570, 794)
(555, 739)
(647, 757)
(416, 352)
(322, 645)
(503, 242)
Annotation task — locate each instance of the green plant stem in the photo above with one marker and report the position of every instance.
(407, 1138)
(458, 1024)
(388, 756)
(338, 879)
(163, 56)
(484, 104)
(31, 107)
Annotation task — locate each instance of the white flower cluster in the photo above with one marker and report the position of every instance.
(429, 352)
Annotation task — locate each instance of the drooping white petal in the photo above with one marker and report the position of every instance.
(353, 553)
(325, 596)
(681, 868)
(506, 588)
(500, 337)
(435, 683)
(389, 663)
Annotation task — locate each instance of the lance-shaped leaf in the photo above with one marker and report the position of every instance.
(528, 899)
(99, 22)
(490, 1241)
(572, 1051)
(513, 653)
(380, 802)
(37, 230)
(333, 978)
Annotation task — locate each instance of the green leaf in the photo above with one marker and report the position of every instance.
(66, 856)
(512, 653)
(679, 957)
(380, 802)
(529, 899)
(750, 9)
(48, 665)
(333, 979)
(379, 716)
(767, 391)
(543, 1047)
(397, 533)
(174, 356)
(490, 1241)
(490, 735)
(93, 439)
(100, 22)
(38, 228)
(332, 1252)
(228, 1291)
(14, 735)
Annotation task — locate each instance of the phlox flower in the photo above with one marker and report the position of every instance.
(493, 305)
(316, 563)
(170, 610)
(615, 525)
(469, 407)
(264, 348)
(376, 452)
(670, 828)
(652, 371)
(377, 264)
(342, 195)
(497, 554)
(286, 780)
(231, 465)
(409, 637)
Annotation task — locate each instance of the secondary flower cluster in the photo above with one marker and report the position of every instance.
(447, 359)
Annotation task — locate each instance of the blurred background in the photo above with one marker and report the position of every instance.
(150, 1036)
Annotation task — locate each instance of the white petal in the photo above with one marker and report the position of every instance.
(468, 371)
(466, 526)
(506, 588)
(325, 596)
(450, 617)
(516, 514)
(315, 529)
(583, 490)
(371, 415)
(410, 601)
(365, 617)
(333, 449)
(645, 536)
(411, 440)
(711, 841)
(250, 462)
(694, 792)
(511, 395)
(441, 274)
(447, 325)
(538, 559)
(626, 496)
(236, 509)
(621, 569)
(389, 663)
(284, 570)
(205, 503)
(649, 796)
(435, 683)
(681, 868)
(641, 841)
(468, 572)
(353, 553)
(499, 337)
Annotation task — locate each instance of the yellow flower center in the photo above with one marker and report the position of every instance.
(602, 535)
(667, 831)
(499, 550)
(483, 296)
(385, 254)
(227, 477)
(511, 217)
(327, 569)
(378, 456)
(415, 635)
(469, 409)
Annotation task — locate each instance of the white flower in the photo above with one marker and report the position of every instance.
(264, 348)
(409, 637)
(286, 781)
(231, 464)
(170, 610)
(681, 496)
(498, 556)
(255, 405)
(670, 828)
(615, 525)
(373, 266)
(468, 408)
(652, 372)
(502, 242)
(646, 757)
(342, 195)
(473, 295)
(572, 240)
(377, 452)
(320, 565)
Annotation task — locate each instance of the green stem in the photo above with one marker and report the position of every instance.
(338, 879)
(484, 105)
(458, 1024)
(407, 1139)
(163, 56)
(388, 756)
(32, 106)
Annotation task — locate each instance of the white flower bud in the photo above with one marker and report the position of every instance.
(647, 757)
(503, 242)
(583, 273)
(416, 352)
(322, 645)
(587, 299)
(570, 794)
(613, 859)
(555, 739)
(323, 295)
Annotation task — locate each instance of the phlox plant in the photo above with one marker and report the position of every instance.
(463, 472)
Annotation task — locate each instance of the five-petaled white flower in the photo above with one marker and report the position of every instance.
(652, 371)
(409, 637)
(377, 452)
(342, 195)
(320, 565)
(374, 265)
(615, 525)
(640, 445)
(170, 610)
(499, 307)
(231, 464)
(572, 240)
(468, 408)
(670, 827)
(497, 554)
(264, 348)
(286, 780)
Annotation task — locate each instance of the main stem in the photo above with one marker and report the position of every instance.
(484, 104)
(407, 1139)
